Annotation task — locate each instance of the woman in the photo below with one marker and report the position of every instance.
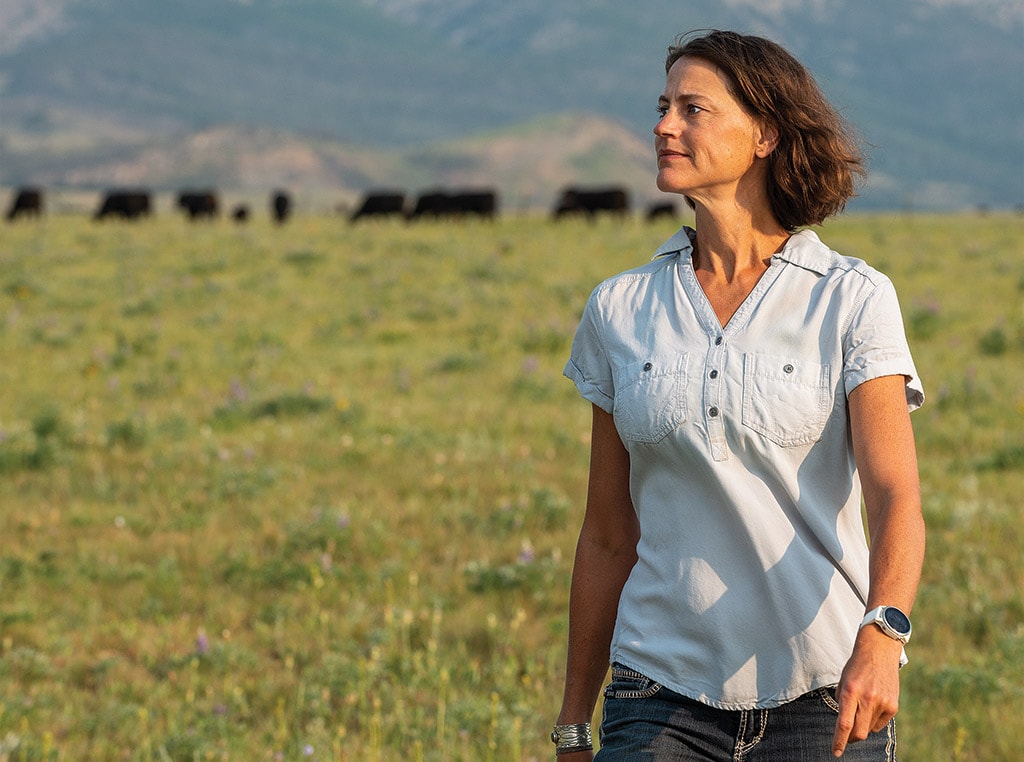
(748, 386)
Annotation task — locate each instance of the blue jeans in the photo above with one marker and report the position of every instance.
(645, 722)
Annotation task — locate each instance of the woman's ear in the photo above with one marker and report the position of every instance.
(768, 140)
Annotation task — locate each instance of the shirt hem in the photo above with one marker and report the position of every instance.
(589, 391)
(895, 367)
(702, 695)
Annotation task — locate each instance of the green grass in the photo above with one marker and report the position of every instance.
(272, 490)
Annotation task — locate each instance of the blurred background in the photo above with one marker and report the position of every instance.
(333, 97)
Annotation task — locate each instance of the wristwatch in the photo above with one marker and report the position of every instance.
(891, 621)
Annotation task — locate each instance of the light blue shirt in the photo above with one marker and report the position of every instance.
(752, 574)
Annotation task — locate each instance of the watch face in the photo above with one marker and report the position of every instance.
(897, 620)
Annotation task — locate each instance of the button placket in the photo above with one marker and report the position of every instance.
(714, 420)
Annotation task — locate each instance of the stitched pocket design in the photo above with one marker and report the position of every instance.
(828, 699)
(650, 398)
(786, 399)
(629, 684)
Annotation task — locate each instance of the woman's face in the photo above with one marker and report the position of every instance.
(708, 146)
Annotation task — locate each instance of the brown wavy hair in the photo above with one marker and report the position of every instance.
(814, 166)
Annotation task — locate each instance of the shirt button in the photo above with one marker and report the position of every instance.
(787, 368)
(713, 374)
(713, 412)
(647, 366)
(718, 341)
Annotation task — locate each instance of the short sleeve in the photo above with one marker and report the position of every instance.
(875, 344)
(588, 366)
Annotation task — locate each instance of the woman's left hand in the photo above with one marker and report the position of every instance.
(869, 690)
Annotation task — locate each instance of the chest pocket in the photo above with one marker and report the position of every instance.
(650, 398)
(786, 400)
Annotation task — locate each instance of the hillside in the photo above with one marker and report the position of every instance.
(91, 89)
(560, 149)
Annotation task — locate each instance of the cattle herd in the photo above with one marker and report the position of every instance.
(433, 204)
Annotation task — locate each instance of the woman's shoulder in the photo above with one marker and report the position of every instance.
(806, 250)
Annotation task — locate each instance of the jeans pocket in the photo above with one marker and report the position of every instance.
(630, 684)
(828, 698)
(650, 398)
(786, 400)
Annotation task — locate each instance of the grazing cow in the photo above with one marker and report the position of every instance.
(590, 202)
(659, 209)
(431, 203)
(440, 204)
(479, 203)
(240, 214)
(199, 204)
(126, 204)
(27, 202)
(381, 204)
(280, 206)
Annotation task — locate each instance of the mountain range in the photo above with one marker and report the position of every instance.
(346, 95)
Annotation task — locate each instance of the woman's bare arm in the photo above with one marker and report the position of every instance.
(883, 444)
(605, 555)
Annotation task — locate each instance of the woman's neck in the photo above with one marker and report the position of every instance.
(736, 244)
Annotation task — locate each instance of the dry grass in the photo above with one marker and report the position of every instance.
(270, 491)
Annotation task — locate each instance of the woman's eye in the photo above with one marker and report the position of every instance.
(662, 110)
(693, 108)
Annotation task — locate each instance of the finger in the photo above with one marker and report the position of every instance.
(884, 711)
(882, 721)
(844, 724)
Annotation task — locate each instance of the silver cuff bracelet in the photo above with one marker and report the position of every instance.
(569, 738)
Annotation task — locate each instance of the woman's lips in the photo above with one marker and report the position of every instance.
(670, 156)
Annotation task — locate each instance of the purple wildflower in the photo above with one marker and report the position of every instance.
(526, 554)
(238, 392)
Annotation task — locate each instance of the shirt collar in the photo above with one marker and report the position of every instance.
(803, 249)
(678, 243)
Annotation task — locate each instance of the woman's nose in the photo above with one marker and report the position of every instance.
(665, 126)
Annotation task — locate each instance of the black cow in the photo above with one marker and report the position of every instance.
(591, 202)
(199, 204)
(280, 206)
(126, 204)
(240, 213)
(381, 204)
(441, 204)
(660, 209)
(479, 203)
(431, 203)
(27, 202)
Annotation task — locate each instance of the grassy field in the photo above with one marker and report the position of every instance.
(312, 492)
